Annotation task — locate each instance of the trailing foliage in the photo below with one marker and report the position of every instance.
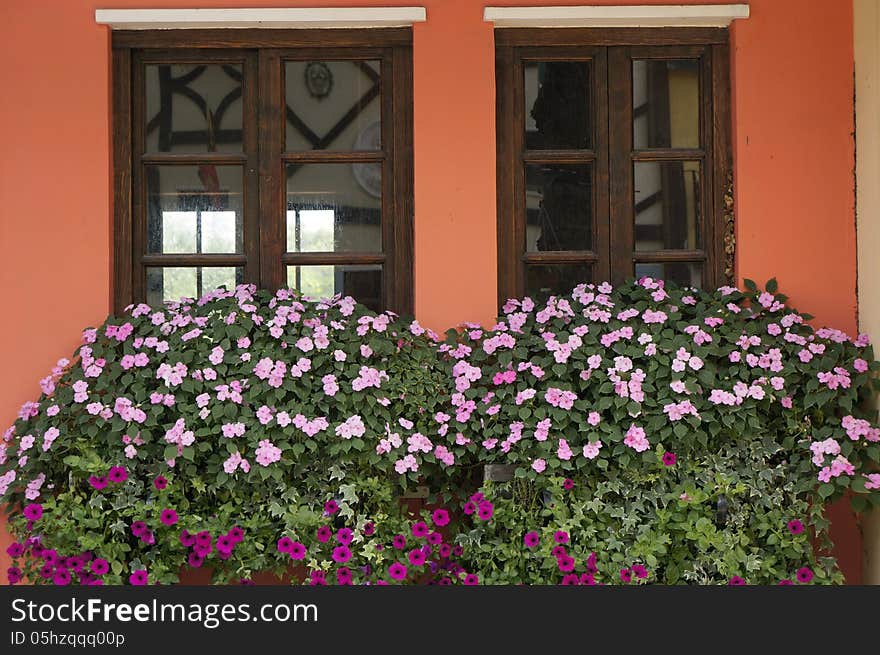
(670, 435)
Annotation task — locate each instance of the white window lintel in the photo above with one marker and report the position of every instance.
(298, 17)
(617, 16)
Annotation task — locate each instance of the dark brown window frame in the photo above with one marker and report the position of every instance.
(262, 53)
(613, 256)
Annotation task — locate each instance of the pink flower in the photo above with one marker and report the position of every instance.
(860, 365)
(636, 439)
(539, 465)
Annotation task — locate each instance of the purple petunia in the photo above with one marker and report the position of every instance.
(15, 549)
(531, 539)
(568, 484)
(785, 582)
(485, 510)
(640, 571)
(13, 574)
(343, 576)
(626, 575)
(570, 579)
(187, 539)
(471, 579)
(469, 508)
(560, 537)
(795, 526)
(669, 459)
(565, 563)
(195, 560)
(343, 536)
(331, 507)
(168, 517)
(419, 530)
(160, 482)
(284, 544)
(323, 534)
(61, 577)
(397, 571)
(225, 544)
(369, 529)
(399, 541)
(736, 581)
(138, 528)
(435, 538)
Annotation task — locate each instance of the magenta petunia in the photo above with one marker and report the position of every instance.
(639, 571)
(15, 549)
(284, 544)
(187, 539)
(323, 534)
(399, 541)
(736, 581)
(804, 575)
(195, 560)
(469, 508)
(795, 526)
(117, 474)
(225, 544)
(419, 530)
(138, 578)
(568, 484)
(97, 482)
(33, 512)
(369, 529)
(297, 551)
(558, 551)
(13, 574)
(587, 579)
(435, 538)
(626, 575)
(61, 577)
(471, 579)
(571, 579)
(168, 517)
(531, 539)
(331, 507)
(485, 510)
(669, 459)
(416, 557)
(785, 582)
(343, 536)
(160, 482)
(560, 537)
(317, 579)
(236, 534)
(99, 566)
(138, 528)
(440, 517)
(397, 571)
(341, 554)
(343, 576)
(565, 563)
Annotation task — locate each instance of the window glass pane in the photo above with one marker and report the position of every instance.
(333, 105)
(329, 209)
(559, 207)
(362, 282)
(543, 280)
(688, 274)
(558, 111)
(172, 283)
(194, 209)
(666, 103)
(193, 108)
(667, 205)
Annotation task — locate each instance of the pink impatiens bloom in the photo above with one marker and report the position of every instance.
(636, 439)
(539, 465)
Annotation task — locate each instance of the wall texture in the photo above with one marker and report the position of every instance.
(793, 115)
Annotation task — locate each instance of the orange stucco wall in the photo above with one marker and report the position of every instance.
(793, 123)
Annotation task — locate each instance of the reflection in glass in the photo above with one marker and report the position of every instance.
(667, 205)
(362, 282)
(666, 103)
(194, 209)
(329, 211)
(193, 108)
(333, 105)
(171, 283)
(544, 280)
(559, 207)
(682, 273)
(558, 109)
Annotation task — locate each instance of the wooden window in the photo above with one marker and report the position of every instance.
(613, 157)
(273, 157)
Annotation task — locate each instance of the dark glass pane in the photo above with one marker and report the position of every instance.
(333, 105)
(666, 103)
(559, 207)
(667, 205)
(689, 274)
(329, 209)
(363, 283)
(175, 282)
(543, 280)
(193, 108)
(558, 111)
(194, 209)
